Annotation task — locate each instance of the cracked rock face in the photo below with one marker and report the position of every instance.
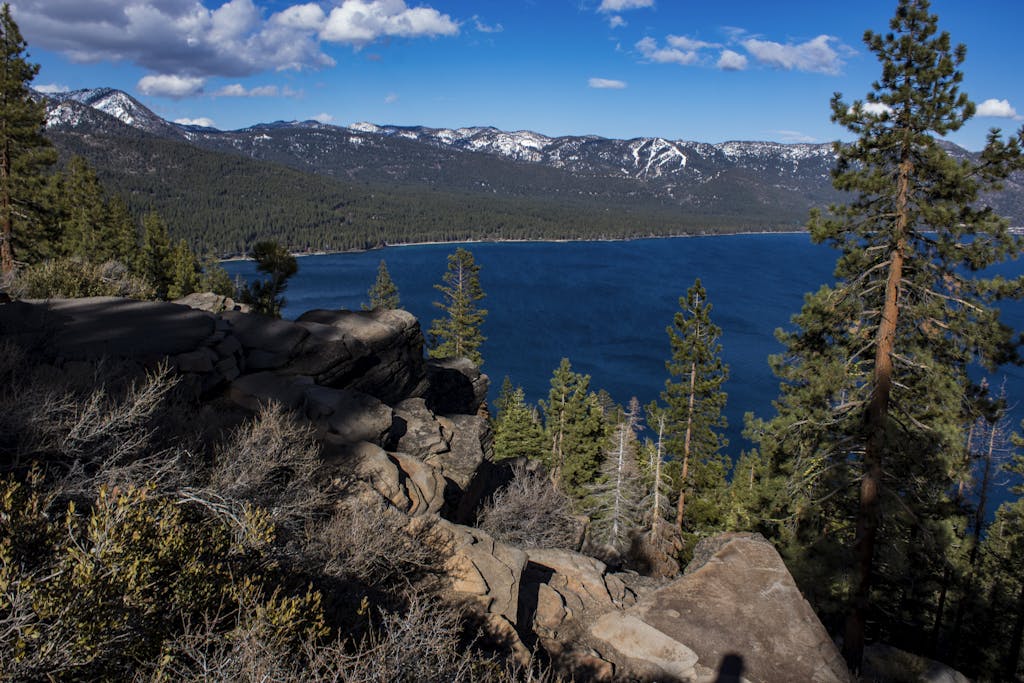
(742, 603)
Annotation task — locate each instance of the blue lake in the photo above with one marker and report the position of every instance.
(605, 306)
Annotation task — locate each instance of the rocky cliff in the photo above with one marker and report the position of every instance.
(415, 433)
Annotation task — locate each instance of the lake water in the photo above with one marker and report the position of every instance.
(605, 306)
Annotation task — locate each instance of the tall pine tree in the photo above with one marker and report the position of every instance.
(24, 152)
(695, 400)
(458, 333)
(575, 429)
(875, 378)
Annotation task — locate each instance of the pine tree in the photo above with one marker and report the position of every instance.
(24, 152)
(874, 379)
(275, 261)
(384, 292)
(216, 279)
(574, 427)
(458, 334)
(695, 400)
(184, 270)
(85, 213)
(517, 430)
(155, 260)
(121, 231)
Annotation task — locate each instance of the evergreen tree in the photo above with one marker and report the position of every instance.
(458, 334)
(24, 152)
(85, 213)
(155, 260)
(517, 430)
(384, 292)
(694, 399)
(184, 270)
(875, 378)
(275, 261)
(121, 233)
(216, 279)
(575, 430)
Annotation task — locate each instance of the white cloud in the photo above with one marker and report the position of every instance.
(620, 5)
(791, 136)
(170, 85)
(310, 17)
(239, 90)
(999, 109)
(606, 84)
(323, 118)
(615, 21)
(201, 121)
(876, 108)
(358, 22)
(390, 98)
(688, 44)
(731, 61)
(486, 28)
(648, 47)
(225, 38)
(816, 55)
(51, 88)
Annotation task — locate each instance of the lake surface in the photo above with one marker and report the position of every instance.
(605, 306)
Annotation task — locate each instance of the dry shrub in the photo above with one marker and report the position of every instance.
(530, 512)
(272, 461)
(73, 277)
(369, 541)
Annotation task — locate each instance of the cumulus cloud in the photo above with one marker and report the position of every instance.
(606, 84)
(390, 98)
(232, 38)
(876, 108)
(648, 47)
(358, 22)
(999, 109)
(323, 118)
(239, 90)
(615, 21)
(815, 55)
(620, 5)
(51, 88)
(171, 85)
(731, 61)
(201, 121)
(689, 44)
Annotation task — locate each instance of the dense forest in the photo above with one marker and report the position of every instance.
(860, 478)
(224, 202)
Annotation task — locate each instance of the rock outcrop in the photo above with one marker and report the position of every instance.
(415, 433)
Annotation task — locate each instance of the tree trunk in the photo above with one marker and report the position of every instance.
(686, 447)
(877, 424)
(656, 512)
(6, 212)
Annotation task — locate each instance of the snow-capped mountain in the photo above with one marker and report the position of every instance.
(120, 105)
(755, 180)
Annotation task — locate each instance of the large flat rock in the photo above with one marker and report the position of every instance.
(93, 327)
(743, 605)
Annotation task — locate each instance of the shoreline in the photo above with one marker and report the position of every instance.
(500, 240)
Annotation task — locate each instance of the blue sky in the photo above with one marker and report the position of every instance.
(680, 69)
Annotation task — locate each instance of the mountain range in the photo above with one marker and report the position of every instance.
(391, 183)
